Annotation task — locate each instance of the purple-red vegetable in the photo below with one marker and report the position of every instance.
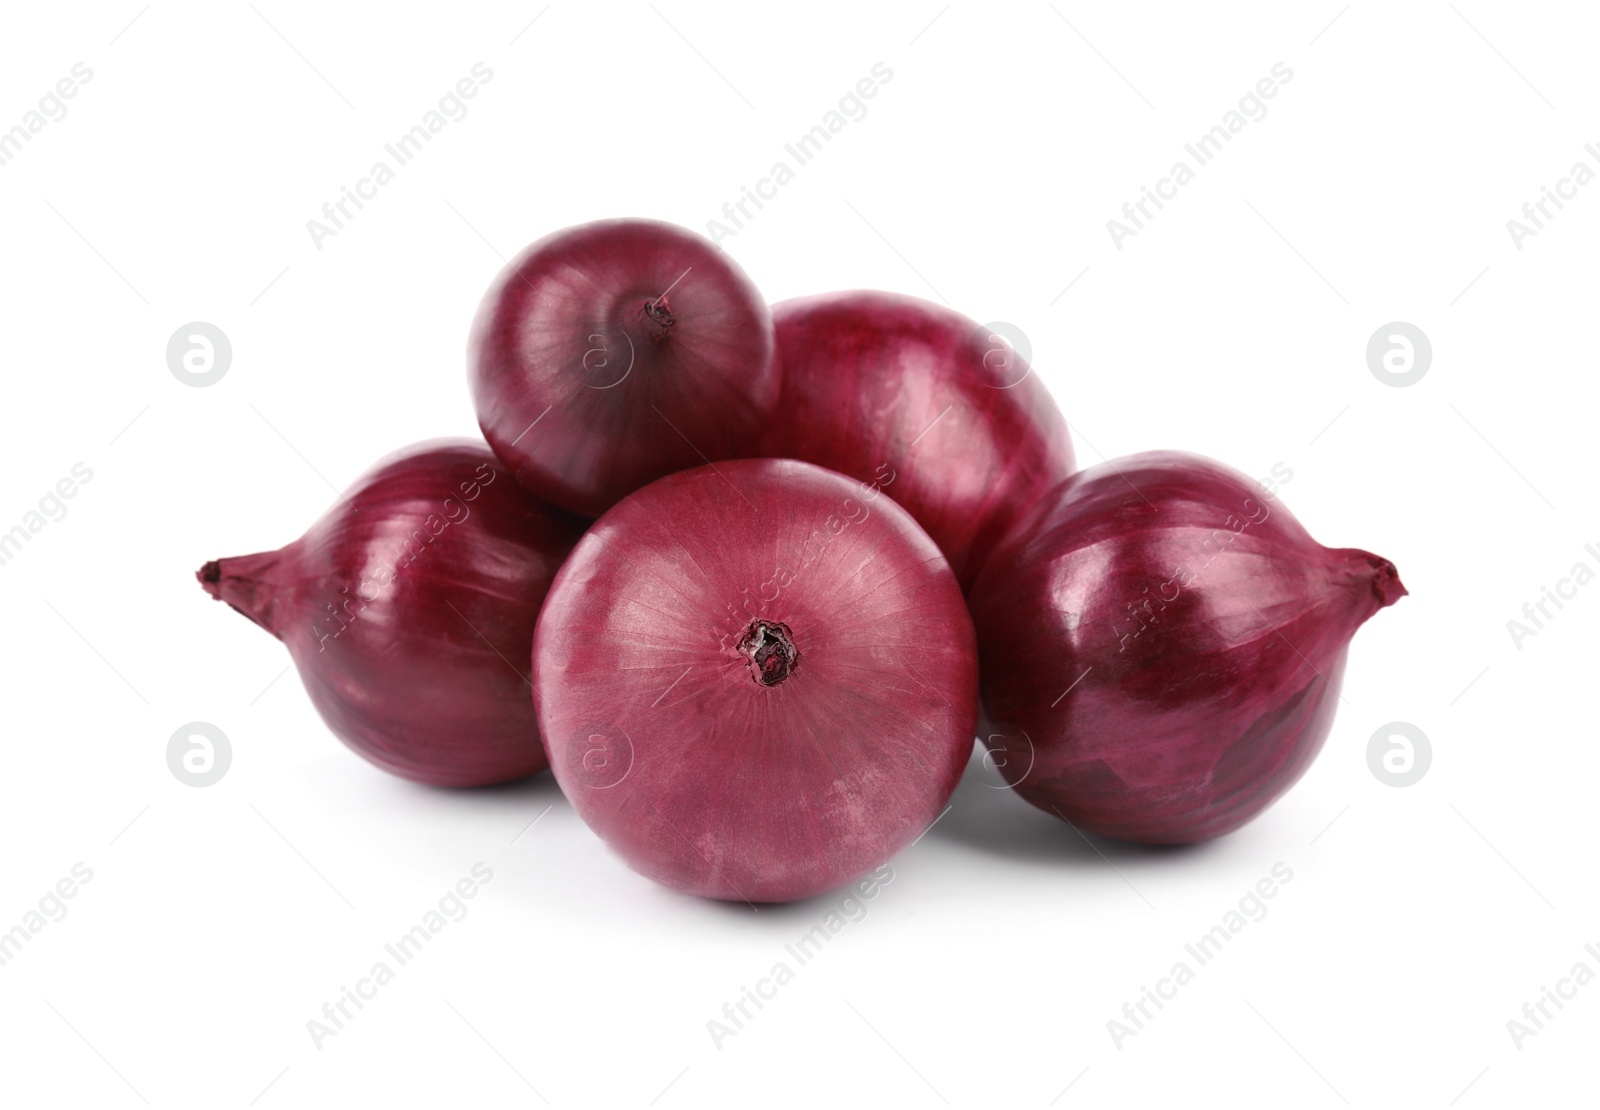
(921, 401)
(756, 680)
(1162, 646)
(408, 610)
(610, 354)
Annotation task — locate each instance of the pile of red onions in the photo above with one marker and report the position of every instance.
(757, 675)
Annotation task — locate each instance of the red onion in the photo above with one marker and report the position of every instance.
(608, 355)
(408, 610)
(924, 403)
(1162, 646)
(756, 680)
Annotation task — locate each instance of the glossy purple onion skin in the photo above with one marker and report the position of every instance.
(1150, 678)
(878, 385)
(610, 354)
(697, 774)
(435, 564)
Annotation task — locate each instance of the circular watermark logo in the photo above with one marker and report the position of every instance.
(199, 754)
(1004, 352)
(1011, 757)
(599, 757)
(1398, 354)
(607, 356)
(198, 354)
(1399, 754)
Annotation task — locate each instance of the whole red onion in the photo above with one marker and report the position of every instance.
(408, 610)
(1162, 646)
(924, 403)
(756, 680)
(610, 354)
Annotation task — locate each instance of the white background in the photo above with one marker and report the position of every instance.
(1377, 189)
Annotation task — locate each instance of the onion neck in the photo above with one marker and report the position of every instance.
(1386, 584)
(658, 317)
(248, 583)
(769, 647)
(1374, 575)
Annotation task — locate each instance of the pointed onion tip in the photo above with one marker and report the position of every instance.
(1386, 584)
(210, 578)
